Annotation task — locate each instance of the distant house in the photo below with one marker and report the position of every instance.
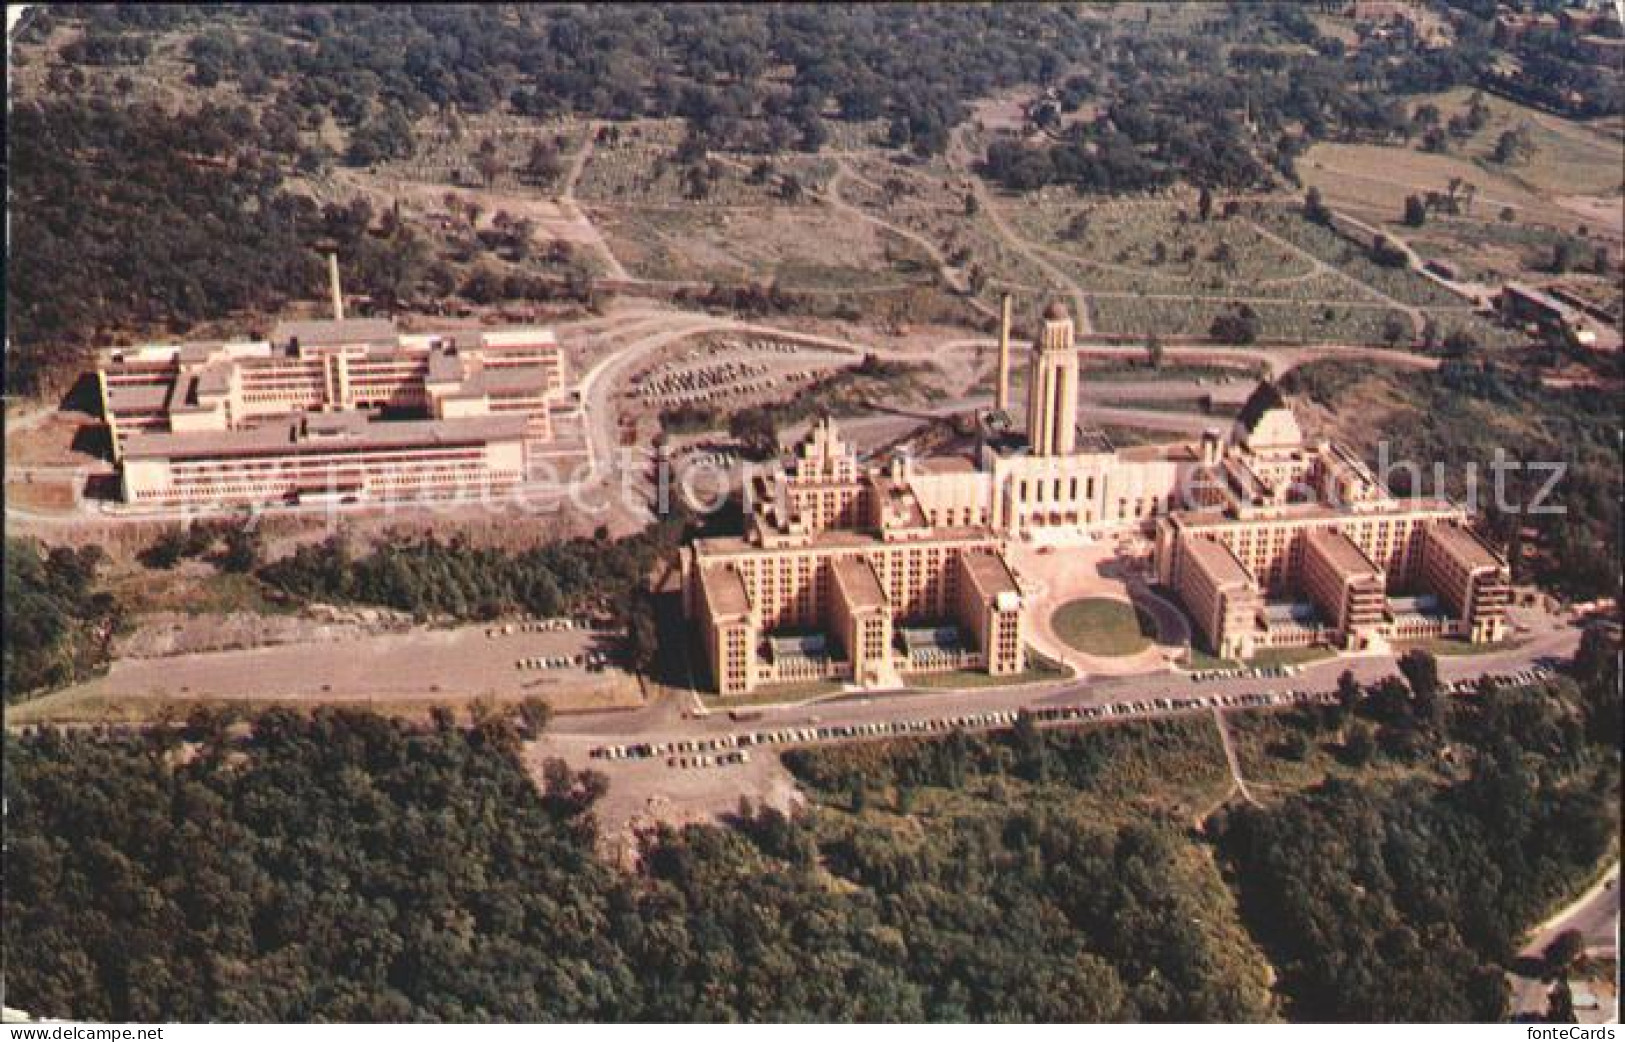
(1444, 269)
(1523, 305)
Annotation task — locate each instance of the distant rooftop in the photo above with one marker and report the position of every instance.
(319, 433)
(1218, 561)
(1466, 546)
(1341, 551)
(327, 332)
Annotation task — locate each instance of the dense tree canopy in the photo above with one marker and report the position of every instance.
(58, 621)
(344, 867)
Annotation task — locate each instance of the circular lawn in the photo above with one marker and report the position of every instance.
(1103, 626)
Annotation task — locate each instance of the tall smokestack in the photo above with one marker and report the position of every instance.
(1001, 400)
(338, 293)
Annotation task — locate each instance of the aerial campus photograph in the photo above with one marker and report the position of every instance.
(686, 513)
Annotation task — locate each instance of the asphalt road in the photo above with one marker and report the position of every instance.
(668, 720)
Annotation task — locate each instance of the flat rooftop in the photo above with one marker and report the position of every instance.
(724, 590)
(990, 574)
(324, 332)
(1214, 517)
(1421, 606)
(1340, 550)
(1466, 546)
(320, 433)
(1217, 561)
(1281, 614)
(943, 465)
(1173, 452)
(137, 397)
(838, 539)
(858, 583)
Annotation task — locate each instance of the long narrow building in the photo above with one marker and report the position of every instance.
(349, 410)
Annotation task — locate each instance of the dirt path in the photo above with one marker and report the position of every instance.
(567, 200)
(1230, 755)
(1414, 313)
(959, 160)
(950, 276)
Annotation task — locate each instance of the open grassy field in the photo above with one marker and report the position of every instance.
(1488, 249)
(1290, 656)
(1568, 158)
(1161, 247)
(805, 248)
(1372, 181)
(1102, 626)
(639, 166)
(1330, 248)
(1450, 647)
(448, 152)
(1356, 322)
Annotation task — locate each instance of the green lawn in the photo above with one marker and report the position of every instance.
(968, 678)
(1102, 626)
(1290, 656)
(773, 695)
(1200, 660)
(1446, 647)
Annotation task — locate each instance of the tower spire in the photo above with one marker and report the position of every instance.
(1052, 386)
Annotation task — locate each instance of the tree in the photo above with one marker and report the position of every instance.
(243, 549)
(1204, 203)
(1514, 145)
(1421, 670)
(755, 431)
(1562, 256)
(1237, 324)
(1394, 330)
(534, 715)
(1153, 350)
(1560, 1004)
(1314, 209)
(166, 550)
(972, 205)
(1416, 212)
(488, 162)
(1563, 952)
(543, 166)
(1359, 746)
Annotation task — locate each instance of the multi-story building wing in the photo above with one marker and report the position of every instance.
(841, 575)
(313, 412)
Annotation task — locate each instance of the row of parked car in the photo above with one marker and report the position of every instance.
(1532, 675)
(508, 629)
(729, 745)
(592, 661)
(720, 760)
(1246, 673)
(966, 721)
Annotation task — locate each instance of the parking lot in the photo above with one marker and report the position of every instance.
(420, 664)
(733, 749)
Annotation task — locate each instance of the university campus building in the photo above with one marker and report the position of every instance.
(1292, 544)
(841, 575)
(866, 573)
(338, 410)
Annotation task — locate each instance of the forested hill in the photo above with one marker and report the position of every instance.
(134, 226)
(343, 867)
